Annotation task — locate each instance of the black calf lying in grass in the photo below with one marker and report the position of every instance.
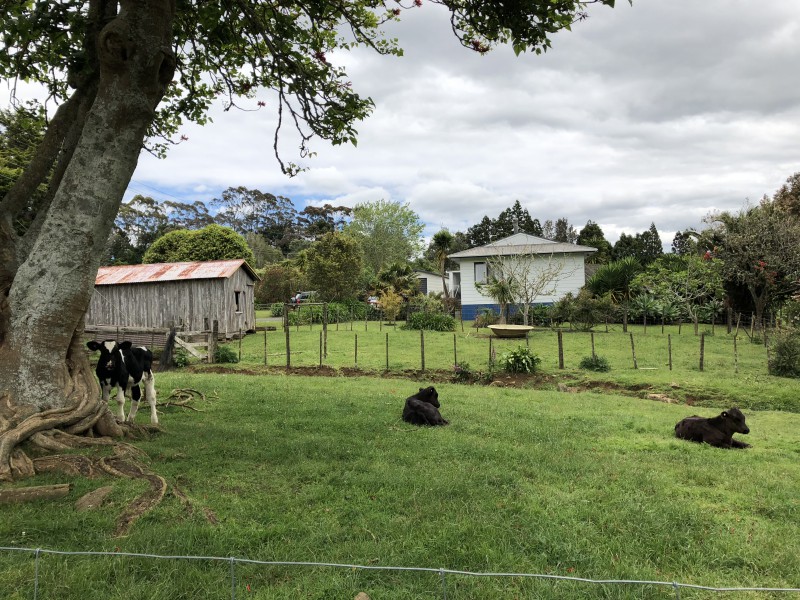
(423, 408)
(717, 431)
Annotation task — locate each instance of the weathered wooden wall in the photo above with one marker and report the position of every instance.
(189, 304)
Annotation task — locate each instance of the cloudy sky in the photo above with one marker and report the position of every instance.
(662, 112)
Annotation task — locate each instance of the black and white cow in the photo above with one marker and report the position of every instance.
(122, 366)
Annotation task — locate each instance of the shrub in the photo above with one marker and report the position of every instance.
(521, 360)
(276, 309)
(784, 359)
(431, 322)
(595, 363)
(486, 316)
(225, 354)
(180, 357)
(462, 372)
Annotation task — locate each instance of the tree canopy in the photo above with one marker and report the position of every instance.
(213, 242)
(388, 232)
(126, 74)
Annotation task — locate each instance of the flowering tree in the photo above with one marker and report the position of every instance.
(760, 251)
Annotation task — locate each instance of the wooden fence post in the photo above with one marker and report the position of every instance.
(633, 352)
(355, 361)
(455, 352)
(491, 353)
(560, 349)
(387, 351)
(288, 350)
(325, 328)
(594, 356)
(320, 348)
(735, 355)
(265, 346)
(240, 345)
(422, 346)
(702, 349)
(669, 349)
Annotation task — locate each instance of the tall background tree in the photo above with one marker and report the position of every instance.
(388, 232)
(127, 74)
(592, 235)
(333, 266)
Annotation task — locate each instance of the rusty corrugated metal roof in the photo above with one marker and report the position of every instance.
(158, 272)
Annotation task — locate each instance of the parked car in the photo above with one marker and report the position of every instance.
(301, 297)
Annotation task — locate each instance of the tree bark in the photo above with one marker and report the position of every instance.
(45, 379)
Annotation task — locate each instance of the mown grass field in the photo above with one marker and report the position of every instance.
(732, 374)
(291, 468)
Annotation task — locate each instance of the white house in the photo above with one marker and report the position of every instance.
(475, 266)
(430, 283)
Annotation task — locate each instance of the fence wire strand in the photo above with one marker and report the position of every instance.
(676, 586)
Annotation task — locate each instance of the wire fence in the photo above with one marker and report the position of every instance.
(675, 586)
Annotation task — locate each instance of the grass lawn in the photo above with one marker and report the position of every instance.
(731, 374)
(290, 468)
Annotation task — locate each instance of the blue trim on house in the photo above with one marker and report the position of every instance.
(470, 311)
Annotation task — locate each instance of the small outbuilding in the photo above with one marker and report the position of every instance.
(189, 295)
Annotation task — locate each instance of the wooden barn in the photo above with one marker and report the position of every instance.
(189, 295)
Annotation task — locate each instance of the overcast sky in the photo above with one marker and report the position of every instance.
(662, 112)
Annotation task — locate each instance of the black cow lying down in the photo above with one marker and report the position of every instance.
(717, 431)
(423, 408)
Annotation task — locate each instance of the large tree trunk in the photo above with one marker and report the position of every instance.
(45, 379)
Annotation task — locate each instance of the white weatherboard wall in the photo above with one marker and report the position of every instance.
(540, 253)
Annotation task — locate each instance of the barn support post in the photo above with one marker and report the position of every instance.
(212, 342)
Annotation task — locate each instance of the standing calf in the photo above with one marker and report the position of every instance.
(423, 408)
(120, 366)
(717, 431)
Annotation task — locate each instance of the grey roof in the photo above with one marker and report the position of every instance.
(522, 243)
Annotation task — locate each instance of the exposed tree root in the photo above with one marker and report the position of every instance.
(122, 466)
(182, 398)
(39, 492)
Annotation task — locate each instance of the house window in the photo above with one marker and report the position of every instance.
(423, 285)
(481, 272)
(238, 299)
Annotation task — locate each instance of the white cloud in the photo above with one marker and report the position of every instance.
(660, 112)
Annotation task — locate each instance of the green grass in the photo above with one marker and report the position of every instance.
(522, 481)
(728, 377)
